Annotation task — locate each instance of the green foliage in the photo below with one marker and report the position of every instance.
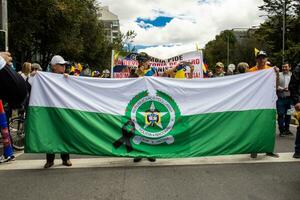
(39, 29)
(271, 33)
(267, 37)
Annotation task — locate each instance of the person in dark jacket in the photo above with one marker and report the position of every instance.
(294, 88)
(13, 88)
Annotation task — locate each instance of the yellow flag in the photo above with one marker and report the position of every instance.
(256, 51)
(197, 46)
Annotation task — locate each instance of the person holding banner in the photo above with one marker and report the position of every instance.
(180, 70)
(144, 69)
(58, 65)
(261, 60)
(13, 91)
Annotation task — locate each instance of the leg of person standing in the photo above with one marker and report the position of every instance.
(66, 159)
(50, 160)
(287, 117)
(297, 144)
(280, 112)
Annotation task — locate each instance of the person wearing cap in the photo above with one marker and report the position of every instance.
(105, 74)
(219, 70)
(261, 64)
(294, 88)
(58, 66)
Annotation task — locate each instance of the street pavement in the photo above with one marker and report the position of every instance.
(230, 177)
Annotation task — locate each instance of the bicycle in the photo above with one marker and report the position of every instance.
(17, 131)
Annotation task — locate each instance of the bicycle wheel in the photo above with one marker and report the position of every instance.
(16, 128)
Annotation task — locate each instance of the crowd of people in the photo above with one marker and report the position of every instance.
(14, 87)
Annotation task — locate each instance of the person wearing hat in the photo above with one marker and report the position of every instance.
(294, 88)
(105, 74)
(58, 66)
(261, 62)
(219, 70)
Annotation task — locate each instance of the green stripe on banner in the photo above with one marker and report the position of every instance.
(57, 130)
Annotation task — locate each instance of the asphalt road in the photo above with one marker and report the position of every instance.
(279, 181)
(264, 181)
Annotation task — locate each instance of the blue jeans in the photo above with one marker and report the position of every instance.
(297, 143)
(283, 105)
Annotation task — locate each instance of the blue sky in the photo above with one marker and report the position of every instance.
(160, 21)
(169, 27)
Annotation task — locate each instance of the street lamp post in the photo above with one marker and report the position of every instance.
(4, 24)
(283, 32)
(228, 49)
(283, 28)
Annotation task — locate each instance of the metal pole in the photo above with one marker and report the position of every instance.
(4, 22)
(283, 32)
(227, 49)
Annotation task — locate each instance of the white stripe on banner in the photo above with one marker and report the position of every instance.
(248, 91)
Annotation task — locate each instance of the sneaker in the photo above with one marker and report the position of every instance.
(152, 159)
(2, 159)
(253, 155)
(10, 158)
(48, 165)
(296, 155)
(137, 159)
(274, 155)
(67, 163)
(288, 133)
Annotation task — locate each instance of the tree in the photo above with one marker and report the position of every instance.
(270, 32)
(216, 50)
(39, 29)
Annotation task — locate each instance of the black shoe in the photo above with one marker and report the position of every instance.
(48, 165)
(288, 133)
(137, 159)
(152, 159)
(253, 155)
(296, 155)
(274, 155)
(67, 163)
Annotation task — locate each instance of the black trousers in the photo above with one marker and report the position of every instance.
(51, 157)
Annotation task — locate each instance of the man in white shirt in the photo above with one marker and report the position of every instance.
(284, 101)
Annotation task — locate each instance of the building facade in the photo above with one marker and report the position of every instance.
(110, 22)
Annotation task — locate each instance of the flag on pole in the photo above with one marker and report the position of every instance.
(256, 51)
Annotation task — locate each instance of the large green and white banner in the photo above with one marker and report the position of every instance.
(152, 116)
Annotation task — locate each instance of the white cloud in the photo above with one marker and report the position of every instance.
(193, 22)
